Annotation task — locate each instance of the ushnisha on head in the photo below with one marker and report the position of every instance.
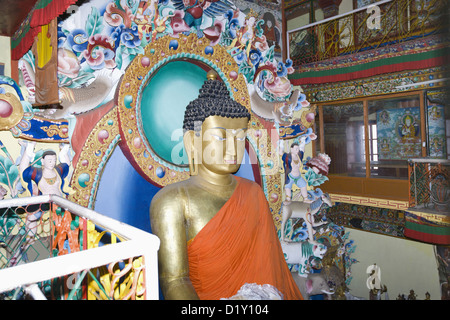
(213, 100)
(215, 128)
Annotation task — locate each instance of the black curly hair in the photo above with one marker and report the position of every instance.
(213, 100)
(48, 153)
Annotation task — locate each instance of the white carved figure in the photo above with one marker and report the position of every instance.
(300, 252)
(313, 284)
(253, 291)
(306, 211)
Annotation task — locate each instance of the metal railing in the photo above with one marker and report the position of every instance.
(382, 23)
(124, 266)
(429, 184)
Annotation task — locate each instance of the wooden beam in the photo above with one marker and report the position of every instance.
(423, 127)
(366, 135)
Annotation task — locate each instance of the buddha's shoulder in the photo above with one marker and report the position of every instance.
(249, 185)
(166, 200)
(177, 190)
(173, 189)
(246, 181)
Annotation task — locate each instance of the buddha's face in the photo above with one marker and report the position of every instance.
(408, 121)
(223, 143)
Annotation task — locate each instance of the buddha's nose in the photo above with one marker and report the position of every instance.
(230, 147)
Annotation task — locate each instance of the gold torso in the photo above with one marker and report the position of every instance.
(200, 202)
(178, 212)
(203, 201)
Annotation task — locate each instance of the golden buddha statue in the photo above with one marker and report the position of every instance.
(216, 230)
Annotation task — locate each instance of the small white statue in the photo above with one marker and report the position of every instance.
(306, 211)
(300, 252)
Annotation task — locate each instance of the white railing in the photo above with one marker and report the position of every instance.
(378, 24)
(330, 19)
(136, 243)
(365, 8)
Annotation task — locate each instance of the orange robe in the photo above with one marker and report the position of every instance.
(239, 245)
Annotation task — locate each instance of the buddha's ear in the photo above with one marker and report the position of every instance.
(192, 152)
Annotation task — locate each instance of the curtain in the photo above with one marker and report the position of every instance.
(42, 13)
(46, 10)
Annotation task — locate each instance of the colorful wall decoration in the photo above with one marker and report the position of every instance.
(378, 85)
(436, 131)
(387, 69)
(367, 218)
(100, 45)
(113, 55)
(404, 141)
(122, 70)
(398, 132)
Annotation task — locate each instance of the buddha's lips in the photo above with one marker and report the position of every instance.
(230, 161)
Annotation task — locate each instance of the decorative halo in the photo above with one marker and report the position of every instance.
(158, 54)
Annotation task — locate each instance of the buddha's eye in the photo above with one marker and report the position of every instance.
(240, 139)
(218, 138)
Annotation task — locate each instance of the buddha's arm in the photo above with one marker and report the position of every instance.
(168, 223)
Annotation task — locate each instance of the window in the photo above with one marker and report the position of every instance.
(370, 140)
(343, 137)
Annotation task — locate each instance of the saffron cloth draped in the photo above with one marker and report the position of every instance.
(239, 245)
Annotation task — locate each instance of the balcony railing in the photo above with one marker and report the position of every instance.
(51, 248)
(383, 23)
(429, 185)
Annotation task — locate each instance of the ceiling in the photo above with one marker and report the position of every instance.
(12, 13)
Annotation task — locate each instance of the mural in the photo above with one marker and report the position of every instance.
(436, 131)
(404, 141)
